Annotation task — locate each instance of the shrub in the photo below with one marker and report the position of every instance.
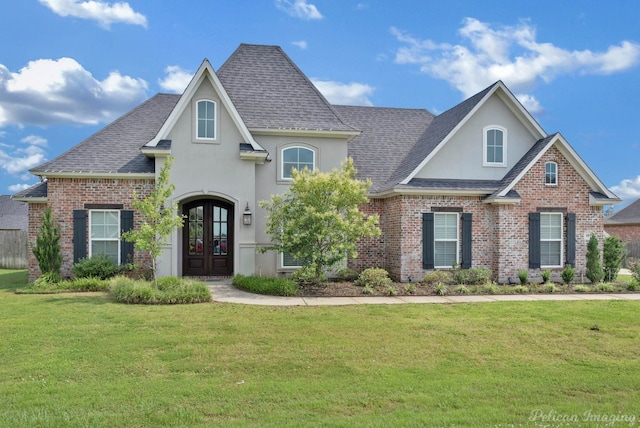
(520, 289)
(374, 277)
(546, 275)
(635, 271)
(169, 291)
(442, 289)
(568, 274)
(633, 286)
(437, 276)
(346, 274)
(462, 289)
(410, 288)
(367, 289)
(478, 275)
(491, 288)
(594, 269)
(523, 276)
(86, 284)
(606, 287)
(306, 275)
(582, 288)
(460, 276)
(391, 290)
(613, 254)
(264, 285)
(549, 288)
(98, 266)
(47, 248)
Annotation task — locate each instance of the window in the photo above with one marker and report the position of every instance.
(206, 120)
(551, 239)
(288, 261)
(104, 230)
(551, 174)
(495, 146)
(298, 158)
(445, 239)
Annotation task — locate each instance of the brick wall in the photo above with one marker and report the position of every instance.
(500, 238)
(64, 195)
(626, 232)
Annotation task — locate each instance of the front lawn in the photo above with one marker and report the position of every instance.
(83, 360)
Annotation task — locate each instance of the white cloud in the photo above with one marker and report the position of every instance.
(299, 9)
(302, 44)
(628, 189)
(15, 188)
(508, 53)
(104, 13)
(34, 140)
(177, 79)
(48, 91)
(345, 93)
(18, 161)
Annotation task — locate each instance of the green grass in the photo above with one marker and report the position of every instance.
(84, 360)
(265, 285)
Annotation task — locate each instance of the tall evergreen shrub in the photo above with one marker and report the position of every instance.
(594, 268)
(47, 248)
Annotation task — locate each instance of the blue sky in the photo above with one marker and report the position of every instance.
(68, 67)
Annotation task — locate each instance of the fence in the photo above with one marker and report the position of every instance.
(633, 252)
(13, 249)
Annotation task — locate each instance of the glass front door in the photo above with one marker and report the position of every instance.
(208, 238)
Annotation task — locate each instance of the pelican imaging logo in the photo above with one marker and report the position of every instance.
(552, 418)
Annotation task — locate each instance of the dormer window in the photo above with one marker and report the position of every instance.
(495, 146)
(206, 120)
(551, 174)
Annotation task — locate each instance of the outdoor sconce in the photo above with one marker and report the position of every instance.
(246, 215)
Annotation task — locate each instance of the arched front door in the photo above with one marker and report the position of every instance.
(208, 238)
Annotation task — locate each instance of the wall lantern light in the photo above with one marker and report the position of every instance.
(246, 215)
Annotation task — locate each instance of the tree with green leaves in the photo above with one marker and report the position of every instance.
(47, 248)
(158, 218)
(594, 268)
(317, 220)
(613, 254)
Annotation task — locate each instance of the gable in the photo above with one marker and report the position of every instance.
(463, 155)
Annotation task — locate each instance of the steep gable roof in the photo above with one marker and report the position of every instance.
(116, 147)
(387, 136)
(627, 215)
(270, 92)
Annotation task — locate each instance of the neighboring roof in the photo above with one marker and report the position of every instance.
(627, 215)
(116, 147)
(270, 91)
(14, 215)
(388, 134)
(35, 193)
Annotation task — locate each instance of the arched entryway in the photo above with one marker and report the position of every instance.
(208, 238)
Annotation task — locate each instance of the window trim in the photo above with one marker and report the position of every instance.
(485, 143)
(92, 239)
(555, 174)
(283, 266)
(197, 137)
(313, 151)
(561, 240)
(436, 240)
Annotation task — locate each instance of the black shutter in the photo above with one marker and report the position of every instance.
(534, 240)
(466, 240)
(126, 248)
(428, 256)
(79, 235)
(571, 239)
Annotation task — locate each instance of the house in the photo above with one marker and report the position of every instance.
(14, 215)
(481, 185)
(625, 224)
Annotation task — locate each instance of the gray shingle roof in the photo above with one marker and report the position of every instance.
(14, 215)
(387, 136)
(38, 190)
(270, 91)
(627, 215)
(116, 147)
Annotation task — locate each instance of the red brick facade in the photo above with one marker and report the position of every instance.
(626, 232)
(64, 195)
(500, 232)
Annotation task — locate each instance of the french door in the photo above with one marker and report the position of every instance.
(208, 238)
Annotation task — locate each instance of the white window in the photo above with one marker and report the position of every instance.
(495, 146)
(445, 239)
(104, 232)
(551, 174)
(288, 261)
(298, 158)
(551, 239)
(206, 120)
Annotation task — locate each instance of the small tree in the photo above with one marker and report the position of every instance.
(47, 248)
(317, 220)
(158, 218)
(594, 268)
(613, 254)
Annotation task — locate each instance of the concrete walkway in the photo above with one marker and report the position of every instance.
(223, 291)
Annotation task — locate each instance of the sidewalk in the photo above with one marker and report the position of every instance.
(223, 291)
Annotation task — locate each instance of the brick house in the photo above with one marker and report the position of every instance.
(625, 224)
(481, 185)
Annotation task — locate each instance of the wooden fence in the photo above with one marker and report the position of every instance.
(633, 252)
(13, 249)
